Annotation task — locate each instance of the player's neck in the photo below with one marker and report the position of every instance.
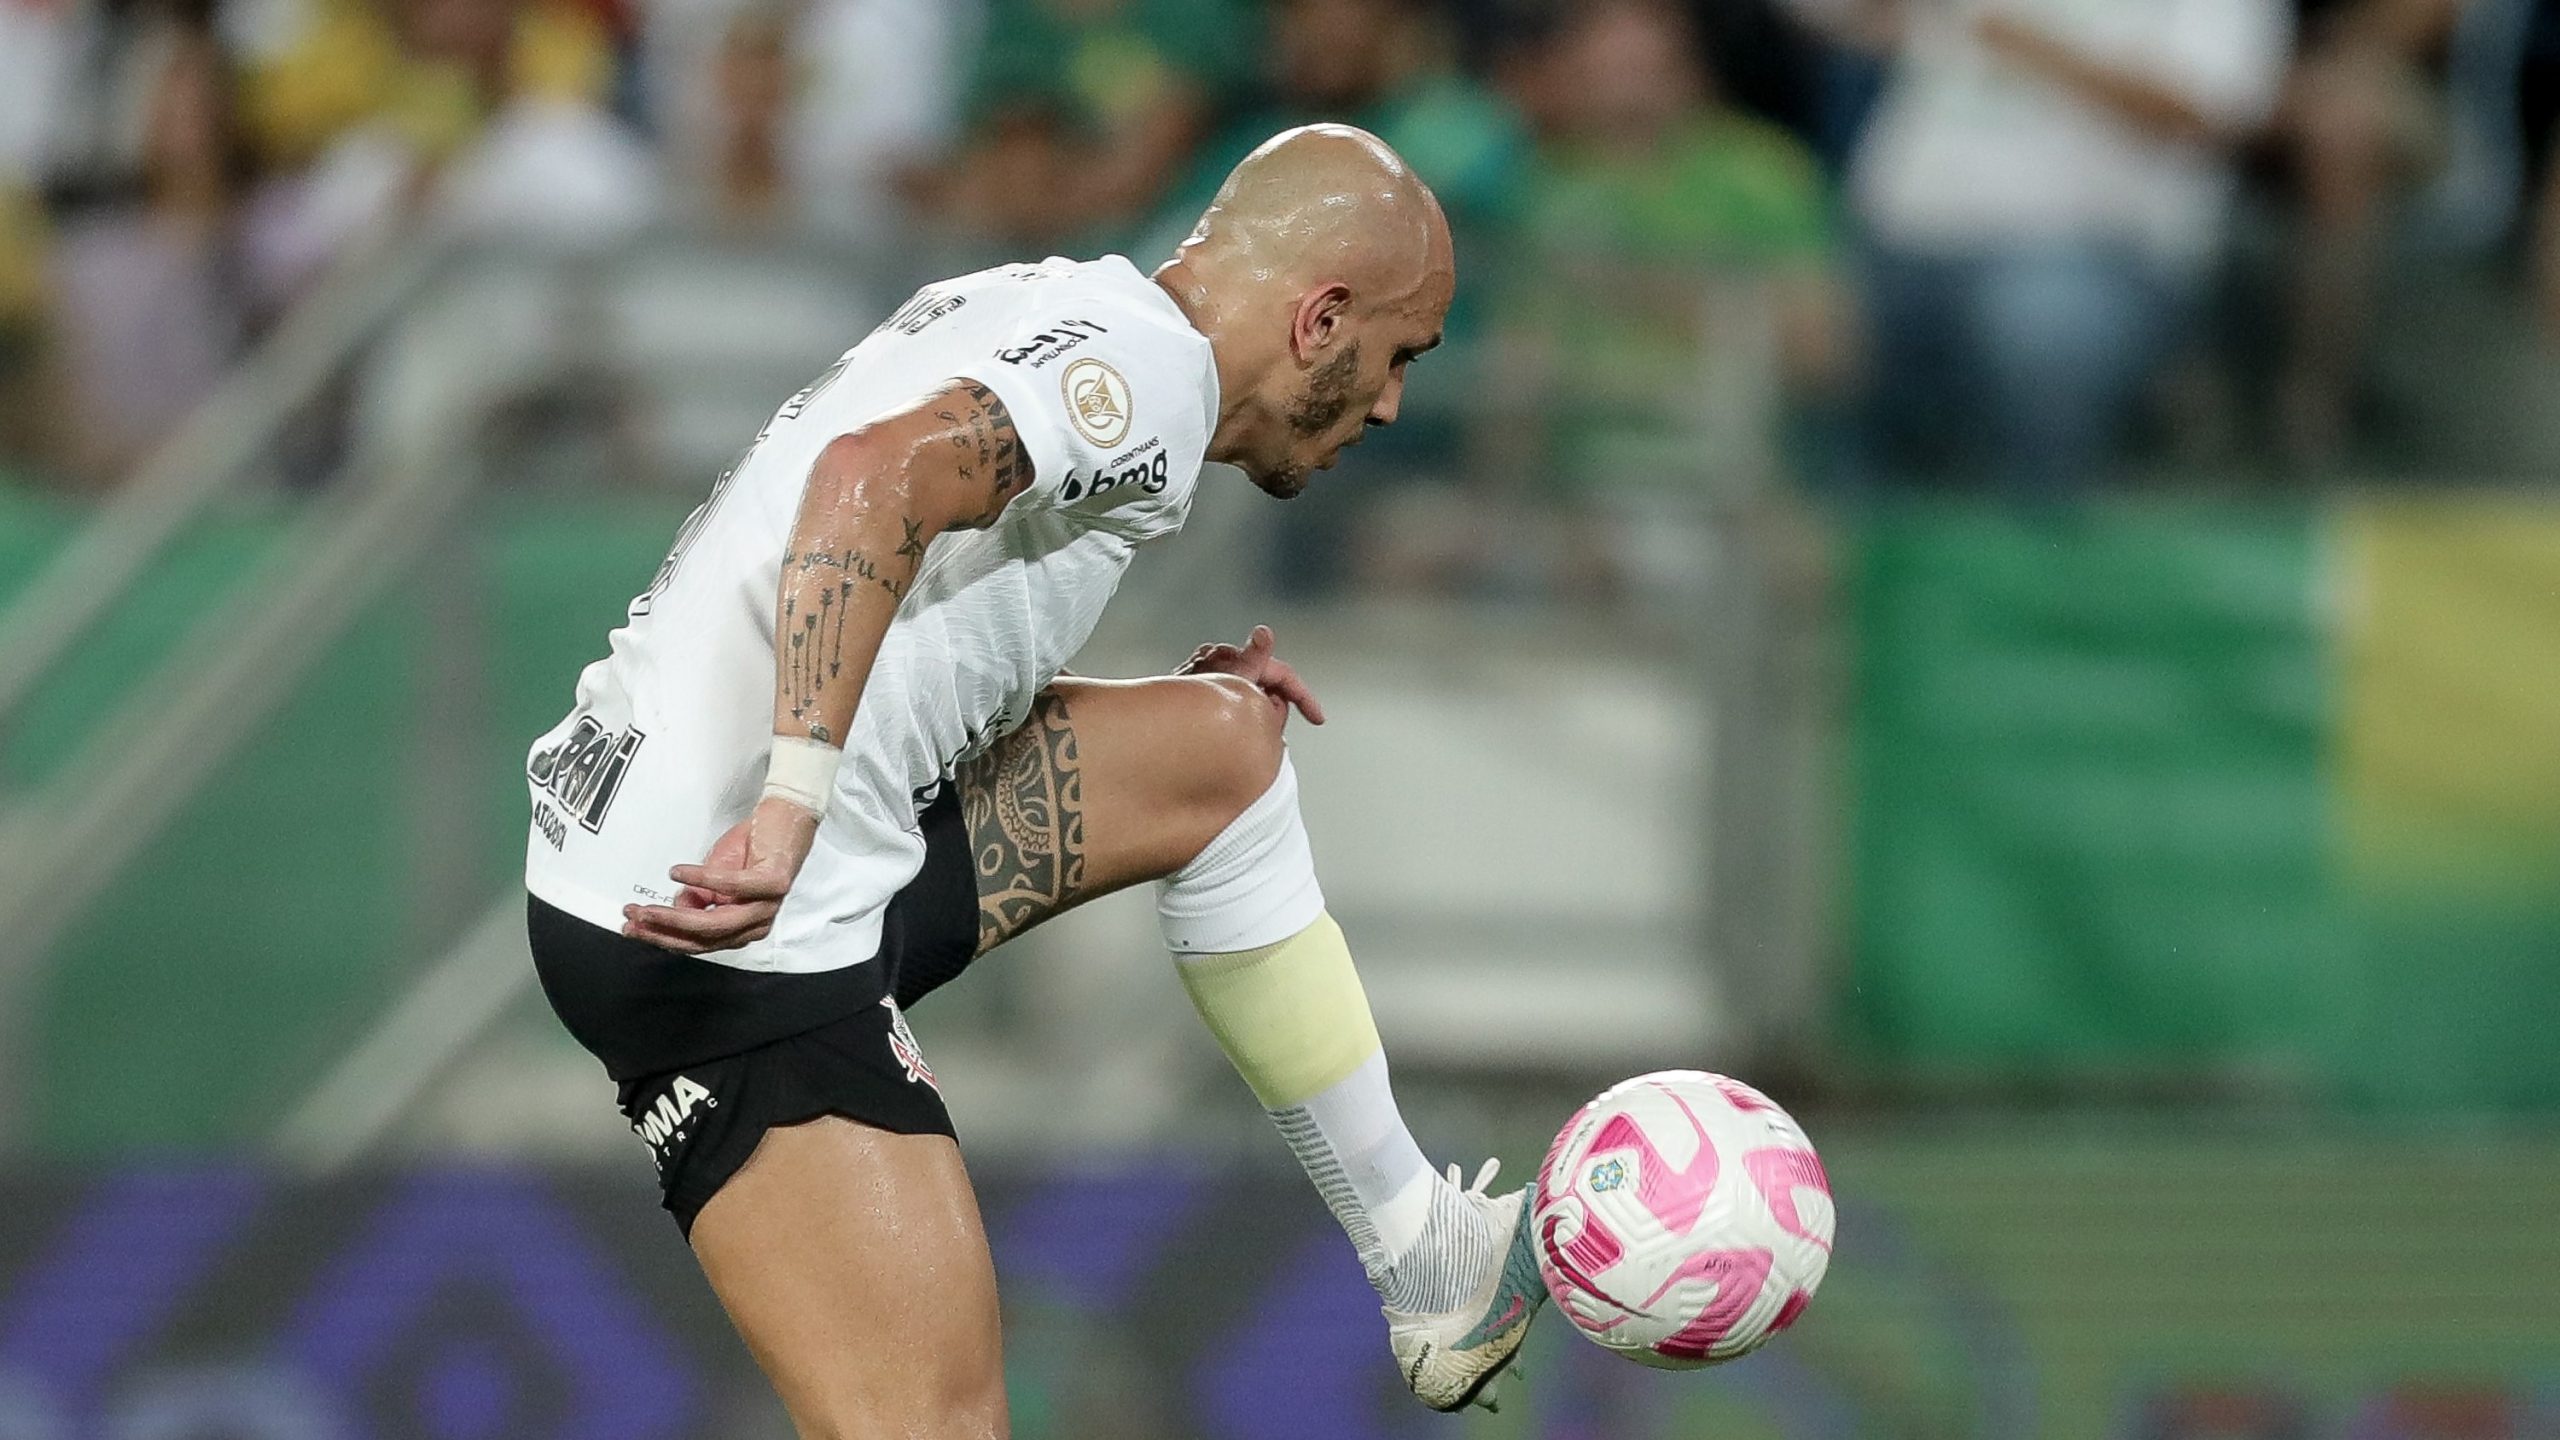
(1243, 425)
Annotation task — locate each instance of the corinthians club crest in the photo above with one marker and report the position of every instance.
(1097, 401)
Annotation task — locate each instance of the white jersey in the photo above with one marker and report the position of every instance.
(1114, 395)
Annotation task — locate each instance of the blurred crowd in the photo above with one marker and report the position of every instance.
(1979, 242)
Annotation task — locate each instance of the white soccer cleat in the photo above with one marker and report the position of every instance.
(1452, 1358)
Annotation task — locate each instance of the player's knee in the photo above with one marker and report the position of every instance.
(958, 1401)
(1236, 742)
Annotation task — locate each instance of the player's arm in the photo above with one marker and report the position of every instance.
(873, 501)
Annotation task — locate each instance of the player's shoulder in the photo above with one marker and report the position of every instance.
(1112, 391)
(1103, 319)
(1061, 305)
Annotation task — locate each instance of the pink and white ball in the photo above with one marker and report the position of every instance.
(1682, 1219)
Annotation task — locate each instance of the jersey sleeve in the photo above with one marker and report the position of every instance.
(1112, 407)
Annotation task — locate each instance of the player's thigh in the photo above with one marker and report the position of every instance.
(853, 1262)
(1109, 783)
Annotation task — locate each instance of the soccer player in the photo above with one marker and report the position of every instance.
(832, 758)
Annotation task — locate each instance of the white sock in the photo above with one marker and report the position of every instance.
(1424, 1246)
(1271, 975)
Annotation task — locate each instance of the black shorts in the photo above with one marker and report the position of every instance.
(708, 1057)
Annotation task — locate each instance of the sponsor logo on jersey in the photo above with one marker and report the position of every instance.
(902, 1044)
(551, 827)
(1051, 343)
(663, 1126)
(584, 772)
(1149, 475)
(923, 308)
(1097, 401)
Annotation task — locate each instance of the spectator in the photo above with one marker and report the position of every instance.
(1653, 218)
(2362, 122)
(1650, 193)
(491, 115)
(146, 306)
(1385, 66)
(840, 98)
(35, 44)
(1085, 111)
(813, 112)
(881, 100)
(2045, 192)
(749, 184)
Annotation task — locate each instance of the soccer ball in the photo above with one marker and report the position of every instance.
(1682, 1219)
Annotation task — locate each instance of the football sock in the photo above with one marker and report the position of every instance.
(1269, 972)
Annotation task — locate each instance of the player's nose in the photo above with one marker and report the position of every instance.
(1390, 400)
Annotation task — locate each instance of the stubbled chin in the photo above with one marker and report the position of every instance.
(1285, 485)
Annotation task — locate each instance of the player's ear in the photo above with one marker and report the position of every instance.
(1321, 321)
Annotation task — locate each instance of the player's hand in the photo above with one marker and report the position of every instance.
(1256, 663)
(730, 899)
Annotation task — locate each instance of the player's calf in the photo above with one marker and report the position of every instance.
(1272, 976)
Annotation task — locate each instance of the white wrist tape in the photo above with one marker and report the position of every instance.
(802, 772)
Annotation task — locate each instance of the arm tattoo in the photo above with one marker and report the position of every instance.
(990, 450)
(1023, 803)
(812, 640)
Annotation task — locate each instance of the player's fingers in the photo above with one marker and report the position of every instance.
(732, 883)
(674, 943)
(1259, 643)
(679, 943)
(716, 928)
(687, 945)
(1282, 680)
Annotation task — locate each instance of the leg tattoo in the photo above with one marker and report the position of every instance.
(1024, 806)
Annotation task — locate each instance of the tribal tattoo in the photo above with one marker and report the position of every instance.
(812, 639)
(1023, 803)
(990, 449)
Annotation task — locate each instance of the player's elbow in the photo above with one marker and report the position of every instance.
(913, 469)
(868, 464)
(876, 470)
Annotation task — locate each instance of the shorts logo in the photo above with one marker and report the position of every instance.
(664, 1124)
(902, 1043)
(1097, 401)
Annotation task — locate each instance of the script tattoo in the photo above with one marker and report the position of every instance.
(812, 636)
(990, 450)
(1023, 803)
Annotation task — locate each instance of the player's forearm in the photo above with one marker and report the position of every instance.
(852, 556)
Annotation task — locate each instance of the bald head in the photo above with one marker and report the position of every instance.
(1320, 271)
(1321, 203)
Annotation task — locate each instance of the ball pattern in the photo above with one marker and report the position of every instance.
(1682, 1219)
